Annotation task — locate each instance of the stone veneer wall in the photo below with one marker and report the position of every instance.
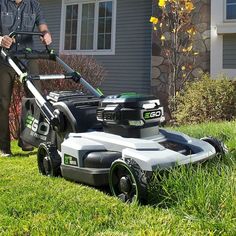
(201, 19)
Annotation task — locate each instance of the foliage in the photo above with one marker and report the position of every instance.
(206, 99)
(86, 66)
(198, 200)
(15, 109)
(174, 25)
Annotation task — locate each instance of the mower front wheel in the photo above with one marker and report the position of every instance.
(49, 161)
(219, 146)
(127, 181)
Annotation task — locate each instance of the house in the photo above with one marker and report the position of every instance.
(223, 37)
(215, 41)
(117, 33)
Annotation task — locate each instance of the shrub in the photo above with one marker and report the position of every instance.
(86, 66)
(15, 109)
(206, 100)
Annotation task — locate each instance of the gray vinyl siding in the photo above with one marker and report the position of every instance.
(229, 51)
(130, 68)
(52, 14)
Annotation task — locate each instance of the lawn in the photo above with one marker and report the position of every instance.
(198, 200)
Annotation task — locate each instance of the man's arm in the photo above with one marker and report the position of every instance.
(47, 38)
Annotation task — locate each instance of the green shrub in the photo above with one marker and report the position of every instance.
(206, 100)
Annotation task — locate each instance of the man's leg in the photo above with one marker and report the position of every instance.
(34, 70)
(6, 87)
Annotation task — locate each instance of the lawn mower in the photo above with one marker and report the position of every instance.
(97, 140)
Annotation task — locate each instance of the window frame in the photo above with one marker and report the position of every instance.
(93, 51)
(225, 13)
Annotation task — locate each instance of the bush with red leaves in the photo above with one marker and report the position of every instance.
(86, 66)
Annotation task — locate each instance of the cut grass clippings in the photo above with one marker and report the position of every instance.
(188, 200)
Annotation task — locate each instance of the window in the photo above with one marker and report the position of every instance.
(88, 27)
(230, 9)
(104, 25)
(71, 27)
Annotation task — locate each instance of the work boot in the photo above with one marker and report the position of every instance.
(25, 146)
(4, 153)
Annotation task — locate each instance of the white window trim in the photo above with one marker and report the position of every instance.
(87, 52)
(225, 13)
(218, 28)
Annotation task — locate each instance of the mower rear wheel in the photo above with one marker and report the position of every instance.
(219, 146)
(49, 161)
(127, 181)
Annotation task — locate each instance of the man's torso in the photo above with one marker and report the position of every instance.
(23, 17)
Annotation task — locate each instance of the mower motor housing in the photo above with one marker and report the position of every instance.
(130, 115)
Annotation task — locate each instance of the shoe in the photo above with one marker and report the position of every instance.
(25, 146)
(4, 153)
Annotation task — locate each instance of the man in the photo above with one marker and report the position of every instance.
(16, 15)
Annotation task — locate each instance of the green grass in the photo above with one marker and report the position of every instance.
(194, 200)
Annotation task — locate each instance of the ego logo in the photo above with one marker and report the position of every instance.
(152, 114)
(41, 128)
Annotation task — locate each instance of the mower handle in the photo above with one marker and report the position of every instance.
(48, 54)
(40, 34)
(14, 33)
(24, 54)
(34, 54)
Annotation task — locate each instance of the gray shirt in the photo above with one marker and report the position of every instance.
(20, 18)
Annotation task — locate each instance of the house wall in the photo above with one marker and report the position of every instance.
(52, 13)
(229, 51)
(222, 41)
(129, 69)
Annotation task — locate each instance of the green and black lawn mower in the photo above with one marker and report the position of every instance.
(96, 140)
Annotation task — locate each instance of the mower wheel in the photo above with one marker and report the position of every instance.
(49, 161)
(219, 146)
(127, 181)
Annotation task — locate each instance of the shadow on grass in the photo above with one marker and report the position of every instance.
(24, 154)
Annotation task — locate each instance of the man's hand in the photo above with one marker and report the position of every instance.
(47, 38)
(7, 41)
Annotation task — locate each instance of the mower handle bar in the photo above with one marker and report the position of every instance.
(21, 54)
(40, 34)
(33, 55)
(14, 33)
(49, 54)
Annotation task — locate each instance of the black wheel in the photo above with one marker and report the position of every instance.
(127, 181)
(219, 146)
(49, 161)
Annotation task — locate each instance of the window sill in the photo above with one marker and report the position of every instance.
(226, 28)
(88, 53)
